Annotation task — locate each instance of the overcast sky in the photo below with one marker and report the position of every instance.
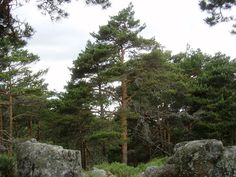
(174, 24)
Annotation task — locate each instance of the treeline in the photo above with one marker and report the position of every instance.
(128, 99)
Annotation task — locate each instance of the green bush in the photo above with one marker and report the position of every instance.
(7, 165)
(154, 162)
(122, 170)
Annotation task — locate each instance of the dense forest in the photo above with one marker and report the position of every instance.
(129, 99)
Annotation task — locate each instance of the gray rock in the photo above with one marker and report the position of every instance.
(149, 172)
(3, 149)
(165, 171)
(100, 173)
(36, 159)
(200, 158)
(226, 166)
(197, 158)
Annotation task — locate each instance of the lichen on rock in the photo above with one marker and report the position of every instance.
(200, 158)
(36, 159)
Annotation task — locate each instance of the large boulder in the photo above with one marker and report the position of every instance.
(36, 159)
(197, 158)
(200, 158)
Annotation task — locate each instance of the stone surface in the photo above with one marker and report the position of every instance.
(226, 166)
(165, 171)
(200, 158)
(100, 173)
(3, 149)
(36, 159)
(197, 158)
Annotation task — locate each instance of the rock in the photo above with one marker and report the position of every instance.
(197, 158)
(3, 149)
(36, 159)
(226, 166)
(150, 172)
(100, 173)
(200, 158)
(165, 171)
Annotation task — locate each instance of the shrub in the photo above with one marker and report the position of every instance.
(7, 165)
(154, 162)
(122, 170)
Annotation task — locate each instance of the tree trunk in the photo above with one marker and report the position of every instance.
(10, 122)
(102, 115)
(123, 118)
(123, 115)
(30, 127)
(83, 155)
(38, 131)
(1, 129)
(161, 135)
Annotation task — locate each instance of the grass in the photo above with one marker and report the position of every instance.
(7, 165)
(155, 162)
(122, 170)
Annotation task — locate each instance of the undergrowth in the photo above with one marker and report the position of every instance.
(122, 170)
(7, 165)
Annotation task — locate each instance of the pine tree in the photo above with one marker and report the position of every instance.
(88, 68)
(212, 95)
(17, 79)
(216, 10)
(160, 92)
(122, 33)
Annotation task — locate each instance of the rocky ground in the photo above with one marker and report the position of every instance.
(200, 158)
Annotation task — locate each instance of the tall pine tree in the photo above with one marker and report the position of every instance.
(122, 33)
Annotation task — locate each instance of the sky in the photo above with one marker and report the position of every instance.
(174, 24)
